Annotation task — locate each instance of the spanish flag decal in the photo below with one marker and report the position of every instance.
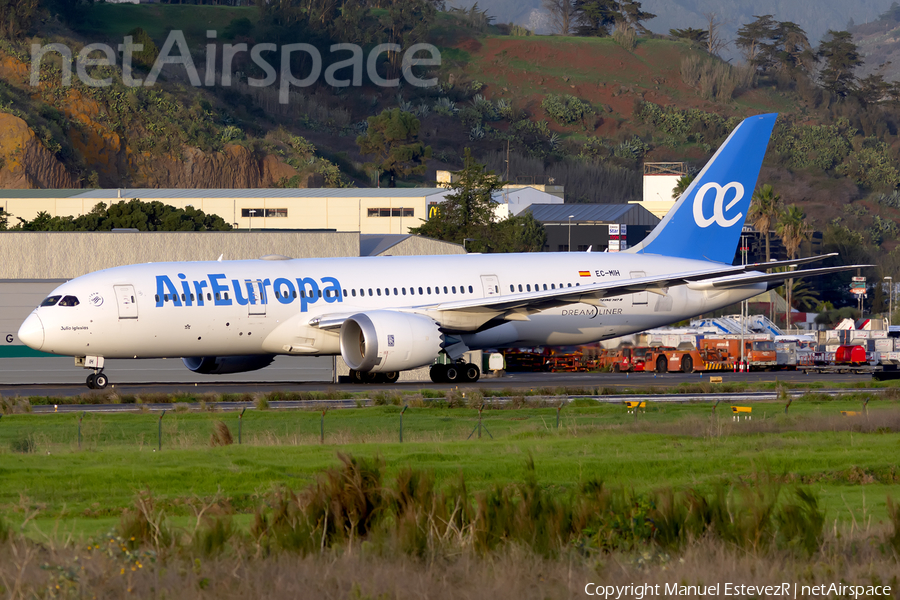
(584, 273)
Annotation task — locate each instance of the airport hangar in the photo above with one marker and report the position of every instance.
(37, 262)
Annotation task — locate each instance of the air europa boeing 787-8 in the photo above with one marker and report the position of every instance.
(387, 314)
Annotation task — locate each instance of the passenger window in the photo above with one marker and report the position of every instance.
(545, 286)
(51, 300)
(570, 285)
(370, 292)
(378, 290)
(155, 296)
(512, 288)
(395, 292)
(182, 297)
(454, 289)
(520, 287)
(429, 291)
(387, 291)
(320, 293)
(165, 298)
(295, 293)
(552, 286)
(208, 296)
(528, 287)
(471, 292)
(445, 289)
(403, 290)
(420, 291)
(353, 292)
(217, 296)
(192, 297)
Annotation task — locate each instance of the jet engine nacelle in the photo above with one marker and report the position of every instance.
(222, 365)
(386, 341)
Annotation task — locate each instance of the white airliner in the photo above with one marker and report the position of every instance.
(387, 314)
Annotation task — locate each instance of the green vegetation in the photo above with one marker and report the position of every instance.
(133, 214)
(679, 445)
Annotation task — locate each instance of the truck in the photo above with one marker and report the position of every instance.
(668, 360)
(759, 354)
(847, 358)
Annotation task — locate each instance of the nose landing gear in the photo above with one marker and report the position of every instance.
(96, 380)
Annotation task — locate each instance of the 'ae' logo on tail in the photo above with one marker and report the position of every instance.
(719, 208)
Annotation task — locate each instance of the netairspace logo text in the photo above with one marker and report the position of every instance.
(719, 590)
(343, 73)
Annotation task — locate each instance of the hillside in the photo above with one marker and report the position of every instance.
(583, 111)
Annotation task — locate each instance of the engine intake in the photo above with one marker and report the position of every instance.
(387, 341)
(223, 365)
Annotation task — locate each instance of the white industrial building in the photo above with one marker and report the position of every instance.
(660, 179)
(380, 211)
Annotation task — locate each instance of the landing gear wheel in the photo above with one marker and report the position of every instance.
(356, 376)
(90, 381)
(471, 373)
(100, 381)
(453, 374)
(662, 365)
(391, 377)
(438, 373)
(371, 377)
(616, 368)
(687, 365)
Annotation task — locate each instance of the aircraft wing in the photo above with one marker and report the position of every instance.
(523, 303)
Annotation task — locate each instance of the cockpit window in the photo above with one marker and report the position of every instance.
(50, 300)
(69, 301)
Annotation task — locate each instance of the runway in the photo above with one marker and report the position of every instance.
(587, 382)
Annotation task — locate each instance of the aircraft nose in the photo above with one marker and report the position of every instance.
(32, 332)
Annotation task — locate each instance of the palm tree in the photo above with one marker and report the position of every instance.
(682, 184)
(793, 229)
(764, 209)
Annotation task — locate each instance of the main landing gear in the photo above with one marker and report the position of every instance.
(97, 381)
(369, 377)
(455, 373)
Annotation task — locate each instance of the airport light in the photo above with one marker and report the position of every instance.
(570, 231)
(251, 212)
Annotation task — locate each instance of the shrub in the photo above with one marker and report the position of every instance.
(716, 80)
(625, 36)
(566, 109)
(221, 435)
(23, 445)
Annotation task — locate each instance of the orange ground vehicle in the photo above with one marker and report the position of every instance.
(759, 354)
(629, 359)
(670, 360)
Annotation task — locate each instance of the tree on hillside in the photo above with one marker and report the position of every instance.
(792, 52)
(765, 207)
(841, 59)
(393, 138)
(145, 216)
(4, 220)
(562, 15)
(715, 43)
(753, 39)
(698, 36)
(406, 23)
(598, 17)
(16, 17)
(635, 15)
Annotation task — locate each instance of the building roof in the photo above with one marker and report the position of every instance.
(58, 193)
(629, 214)
(163, 193)
(373, 244)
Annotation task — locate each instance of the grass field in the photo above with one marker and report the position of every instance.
(52, 486)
